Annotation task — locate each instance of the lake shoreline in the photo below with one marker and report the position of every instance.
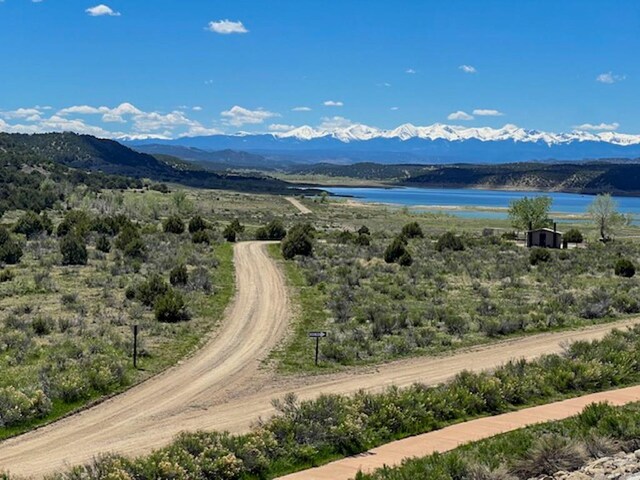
(566, 206)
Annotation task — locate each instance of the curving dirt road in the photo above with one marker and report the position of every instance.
(154, 411)
(223, 387)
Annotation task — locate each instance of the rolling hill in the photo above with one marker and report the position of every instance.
(88, 153)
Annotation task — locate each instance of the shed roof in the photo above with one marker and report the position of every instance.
(545, 229)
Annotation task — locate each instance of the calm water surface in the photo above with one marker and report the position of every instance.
(562, 202)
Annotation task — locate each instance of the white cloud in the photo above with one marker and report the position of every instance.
(117, 114)
(300, 109)
(384, 84)
(600, 127)
(27, 113)
(610, 77)
(394, 108)
(459, 115)
(226, 27)
(139, 124)
(487, 112)
(410, 71)
(113, 115)
(468, 68)
(333, 123)
(102, 10)
(280, 127)
(333, 103)
(238, 116)
(197, 108)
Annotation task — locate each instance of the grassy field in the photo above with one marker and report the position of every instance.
(66, 330)
(376, 311)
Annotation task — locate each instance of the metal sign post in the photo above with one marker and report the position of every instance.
(317, 336)
(135, 346)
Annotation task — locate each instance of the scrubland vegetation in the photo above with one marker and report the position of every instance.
(75, 278)
(424, 291)
(305, 433)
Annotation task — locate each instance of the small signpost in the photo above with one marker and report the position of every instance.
(135, 346)
(317, 336)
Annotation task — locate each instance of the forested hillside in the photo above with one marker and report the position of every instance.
(87, 153)
(596, 177)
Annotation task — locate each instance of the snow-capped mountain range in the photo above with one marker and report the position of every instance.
(453, 133)
(436, 143)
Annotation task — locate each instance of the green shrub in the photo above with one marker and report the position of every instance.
(135, 249)
(549, 455)
(160, 187)
(231, 231)
(148, 291)
(625, 268)
(5, 236)
(173, 224)
(449, 241)
(42, 325)
(201, 236)
(127, 234)
(6, 275)
(364, 230)
(77, 222)
(10, 252)
(412, 230)
(107, 225)
(299, 241)
(179, 275)
(103, 244)
(395, 250)
(573, 236)
(73, 250)
(510, 236)
(197, 224)
(363, 240)
(405, 260)
(31, 224)
(17, 407)
(345, 236)
(170, 307)
(274, 230)
(130, 242)
(539, 255)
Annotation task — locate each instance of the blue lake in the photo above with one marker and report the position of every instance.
(569, 203)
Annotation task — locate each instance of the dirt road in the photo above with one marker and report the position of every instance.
(298, 204)
(223, 387)
(154, 411)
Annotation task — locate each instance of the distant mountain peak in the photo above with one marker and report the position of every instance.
(440, 131)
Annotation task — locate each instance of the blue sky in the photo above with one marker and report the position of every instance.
(174, 69)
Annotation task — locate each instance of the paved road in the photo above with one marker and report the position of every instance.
(224, 386)
(392, 454)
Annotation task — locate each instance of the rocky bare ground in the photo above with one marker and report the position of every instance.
(622, 466)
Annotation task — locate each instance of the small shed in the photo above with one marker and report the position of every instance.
(544, 237)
